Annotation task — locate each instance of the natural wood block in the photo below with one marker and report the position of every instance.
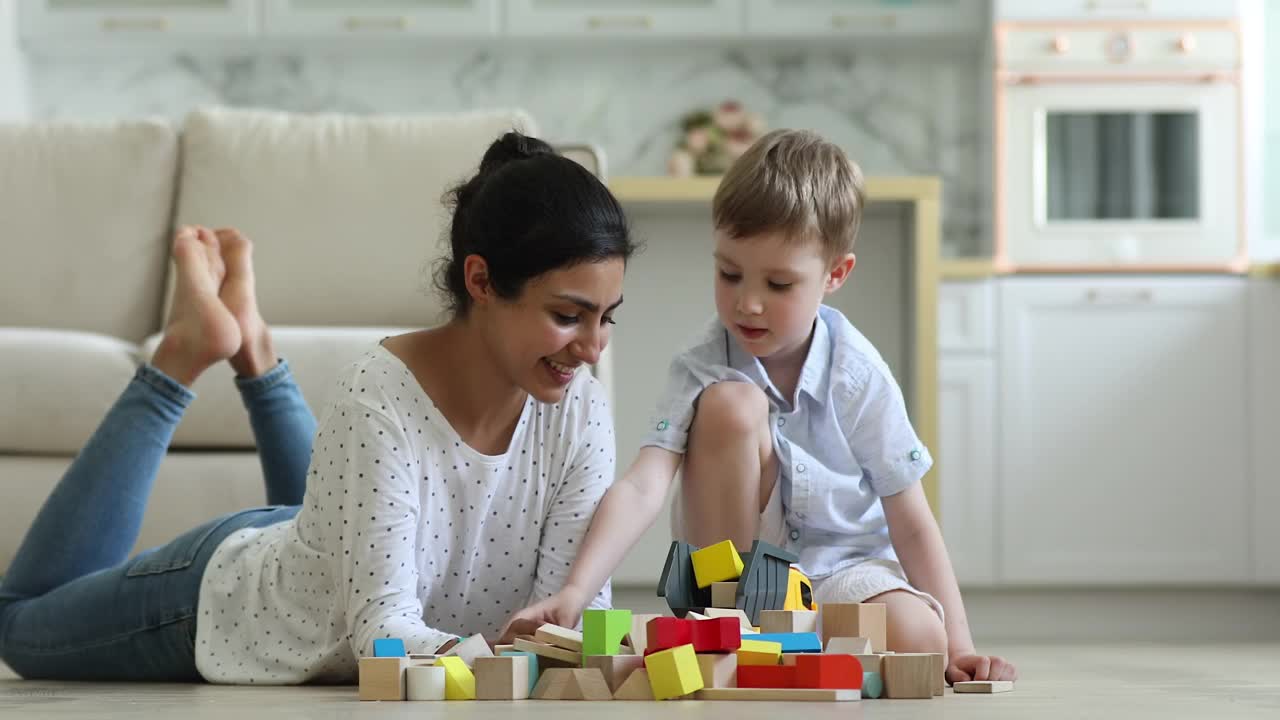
(638, 639)
(572, 684)
(691, 615)
(673, 673)
(725, 594)
(552, 683)
(788, 621)
(735, 613)
(983, 686)
(459, 681)
(382, 678)
(552, 655)
(871, 662)
(560, 637)
(718, 671)
(615, 668)
(908, 675)
(778, 694)
(716, 563)
(603, 631)
(848, 646)
(533, 666)
(868, 620)
(502, 678)
(939, 674)
(470, 649)
(635, 687)
(424, 683)
(499, 649)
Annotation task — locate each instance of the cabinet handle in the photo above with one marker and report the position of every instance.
(395, 24)
(633, 22)
(1096, 5)
(1105, 297)
(845, 22)
(134, 24)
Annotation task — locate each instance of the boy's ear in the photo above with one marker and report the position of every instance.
(840, 272)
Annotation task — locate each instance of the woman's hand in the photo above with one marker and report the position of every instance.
(967, 666)
(563, 609)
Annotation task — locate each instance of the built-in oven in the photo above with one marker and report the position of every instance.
(1118, 146)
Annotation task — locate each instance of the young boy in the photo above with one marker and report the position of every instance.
(788, 423)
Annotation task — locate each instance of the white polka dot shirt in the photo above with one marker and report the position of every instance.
(405, 532)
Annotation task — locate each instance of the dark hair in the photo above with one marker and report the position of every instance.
(528, 210)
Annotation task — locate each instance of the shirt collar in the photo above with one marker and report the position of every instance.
(814, 374)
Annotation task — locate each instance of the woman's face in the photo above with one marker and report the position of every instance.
(560, 323)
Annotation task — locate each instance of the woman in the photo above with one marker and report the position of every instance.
(451, 479)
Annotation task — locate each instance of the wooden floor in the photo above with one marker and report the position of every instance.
(1130, 681)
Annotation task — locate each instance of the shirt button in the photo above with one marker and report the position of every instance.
(915, 454)
(795, 534)
(782, 421)
(800, 467)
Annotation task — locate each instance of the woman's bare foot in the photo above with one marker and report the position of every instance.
(256, 354)
(201, 330)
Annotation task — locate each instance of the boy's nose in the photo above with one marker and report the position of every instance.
(749, 304)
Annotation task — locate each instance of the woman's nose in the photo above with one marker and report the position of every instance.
(589, 345)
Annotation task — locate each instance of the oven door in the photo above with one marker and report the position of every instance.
(1119, 175)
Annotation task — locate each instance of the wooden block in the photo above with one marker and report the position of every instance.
(552, 684)
(588, 684)
(788, 621)
(559, 636)
(908, 675)
(668, 632)
(868, 620)
(638, 639)
(766, 676)
(793, 642)
(871, 663)
(872, 685)
(615, 668)
(388, 647)
(735, 613)
(500, 649)
(716, 563)
(849, 646)
(635, 687)
(551, 655)
(830, 672)
(724, 594)
(459, 681)
(718, 671)
(717, 635)
(533, 665)
(502, 678)
(759, 652)
(424, 683)
(695, 615)
(422, 657)
(939, 674)
(778, 694)
(382, 678)
(470, 649)
(603, 631)
(673, 673)
(983, 687)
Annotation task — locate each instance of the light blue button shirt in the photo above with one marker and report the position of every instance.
(843, 441)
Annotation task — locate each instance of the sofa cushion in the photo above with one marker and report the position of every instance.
(56, 386)
(344, 211)
(217, 418)
(84, 225)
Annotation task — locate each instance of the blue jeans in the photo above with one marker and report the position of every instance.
(73, 605)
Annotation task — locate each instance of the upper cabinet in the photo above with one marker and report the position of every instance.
(624, 17)
(388, 17)
(866, 17)
(90, 19)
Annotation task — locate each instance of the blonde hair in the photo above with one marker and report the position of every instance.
(796, 183)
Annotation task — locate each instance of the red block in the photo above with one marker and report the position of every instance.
(767, 676)
(668, 632)
(717, 635)
(830, 672)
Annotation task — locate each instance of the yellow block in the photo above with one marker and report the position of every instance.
(459, 682)
(675, 672)
(759, 652)
(716, 563)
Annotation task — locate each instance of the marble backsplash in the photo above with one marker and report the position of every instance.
(896, 111)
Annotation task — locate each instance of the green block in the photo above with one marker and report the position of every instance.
(603, 630)
(872, 685)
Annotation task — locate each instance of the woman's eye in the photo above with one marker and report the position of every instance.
(565, 319)
(729, 277)
(607, 320)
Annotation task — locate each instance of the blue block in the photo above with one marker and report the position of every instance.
(872, 685)
(793, 642)
(388, 647)
(533, 667)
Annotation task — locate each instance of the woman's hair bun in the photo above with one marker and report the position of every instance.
(512, 147)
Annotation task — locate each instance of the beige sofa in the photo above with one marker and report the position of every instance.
(345, 214)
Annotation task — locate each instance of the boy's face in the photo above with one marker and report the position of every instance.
(768, 289)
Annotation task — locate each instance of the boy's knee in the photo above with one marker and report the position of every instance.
(914, 626)
(736, 409)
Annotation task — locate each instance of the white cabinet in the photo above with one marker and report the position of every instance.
(624, 17)
(966, 437)
(866, 17)
(1264, 374)
(1123, 455)
(1117, 9)
(111, 19)
(391, 17)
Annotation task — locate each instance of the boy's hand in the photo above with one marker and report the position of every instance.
(563, 609)
(964, 668)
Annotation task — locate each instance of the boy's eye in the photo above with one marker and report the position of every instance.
(563, 319)
(778, 285)
(729, 277)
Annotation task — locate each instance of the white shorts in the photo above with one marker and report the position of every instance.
(852, 584)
